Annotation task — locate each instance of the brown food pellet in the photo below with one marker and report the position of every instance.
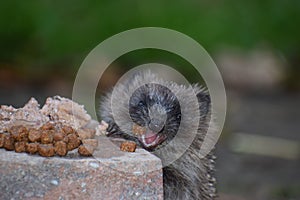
(9, 143)
(19, 133)
(86, 133)
(138, 130)
(66, 139)
(60, 148)
(49, 140)
(58, 136)
(23, 136)
(128, 146)
(47, 136)
(32, 148)
(1, 140)
(48, 126)
(73, 142)
(46, 150)
(67, 129)
(14, 135)
(20, 147)
(14, 130)
(86, 150)
(34, 135)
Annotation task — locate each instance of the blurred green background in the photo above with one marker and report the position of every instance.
(56, 34)
(256, 45)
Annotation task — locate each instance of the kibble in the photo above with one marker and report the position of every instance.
(72, 142)
(60, 148)
(47, 136)
(128, 146)
(1, 140)
(49, 140)
(46, 150)
(20, 147)
(9, 143)
(86, 150)
(48, 126)
(58, 136)
(23, 135)
(67, 129)
(138, 130)
(34, 135)
(19, 133)
(31, 148)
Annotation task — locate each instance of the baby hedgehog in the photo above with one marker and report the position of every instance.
(160, 108)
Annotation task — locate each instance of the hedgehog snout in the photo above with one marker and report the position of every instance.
(158, 118)
(156, 124)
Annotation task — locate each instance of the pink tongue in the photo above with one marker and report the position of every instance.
(150, 137)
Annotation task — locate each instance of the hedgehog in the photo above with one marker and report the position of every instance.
(161, 108)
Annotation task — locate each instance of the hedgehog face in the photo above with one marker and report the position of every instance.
(155, 108)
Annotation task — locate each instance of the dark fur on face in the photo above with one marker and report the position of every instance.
(153, 104)
(155, 107)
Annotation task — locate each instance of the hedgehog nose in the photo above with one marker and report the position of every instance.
(156, 125)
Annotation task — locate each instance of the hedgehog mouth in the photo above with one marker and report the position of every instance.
(151, 139)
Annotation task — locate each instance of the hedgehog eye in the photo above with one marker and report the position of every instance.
(178, 116)
(141, 103)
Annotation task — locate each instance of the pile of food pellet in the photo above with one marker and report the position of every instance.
(49, 140)
(59, 127)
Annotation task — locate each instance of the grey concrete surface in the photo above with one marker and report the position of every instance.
(110, 174)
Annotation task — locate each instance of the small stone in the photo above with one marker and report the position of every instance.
(90, 142)
(28, 194)
(94, 165)
(103, 126)
(66, 111)
(54, 182)
(86, 133)
(137, 173)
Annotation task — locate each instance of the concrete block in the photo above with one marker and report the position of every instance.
(110, 174)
